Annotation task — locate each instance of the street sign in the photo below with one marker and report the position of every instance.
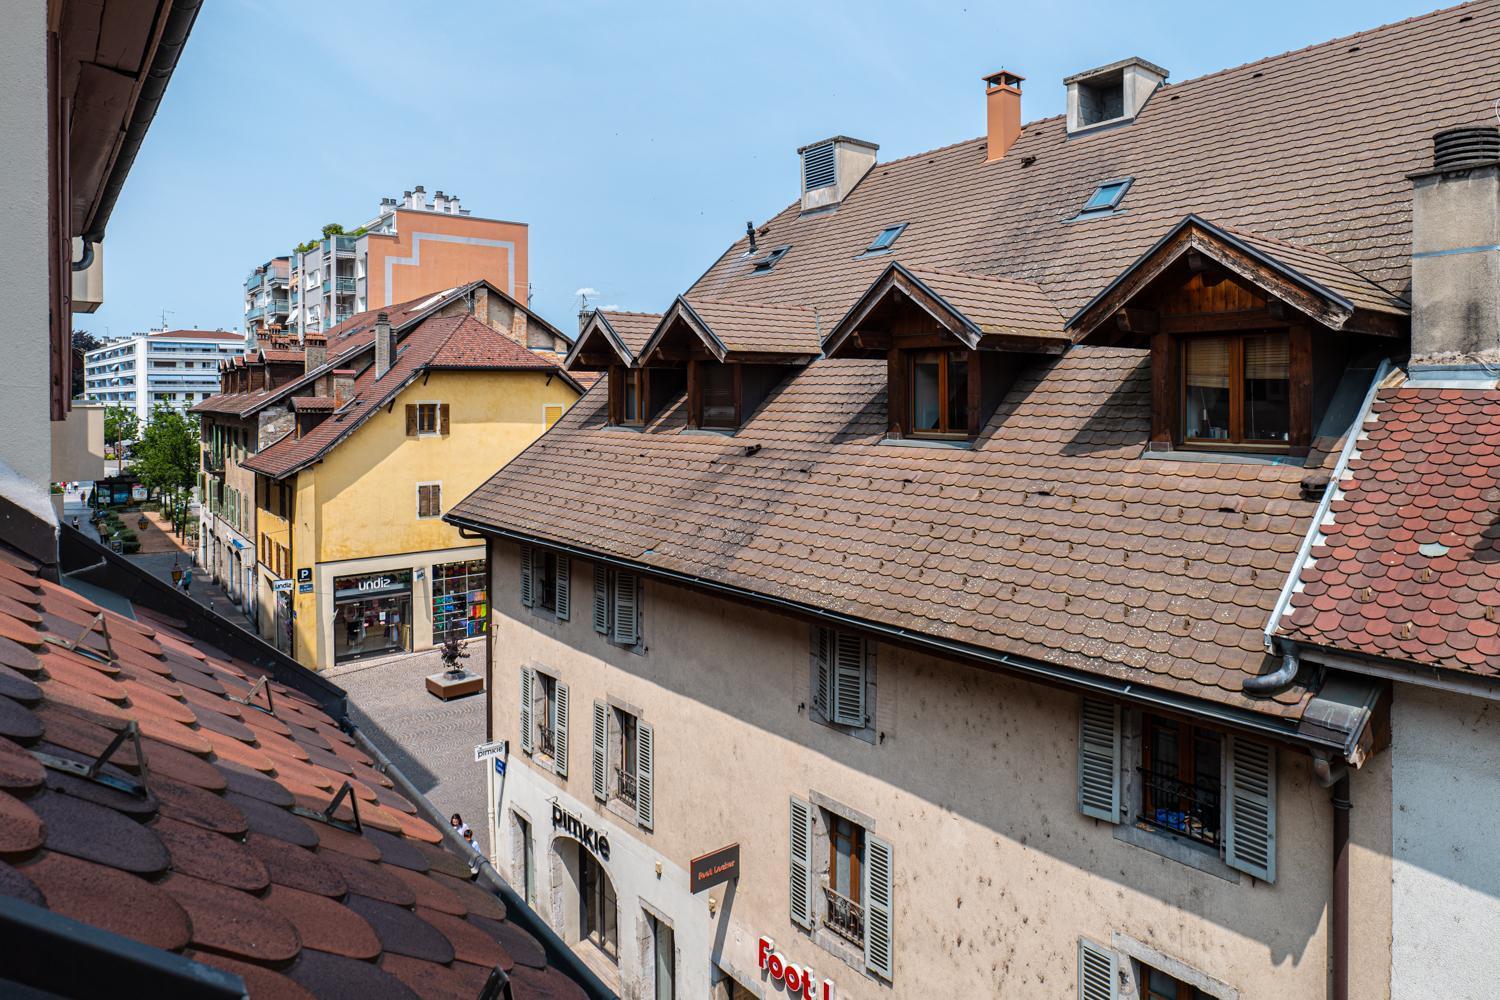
(486, 750)
(304, 588)
(500, 766)
(304, 575)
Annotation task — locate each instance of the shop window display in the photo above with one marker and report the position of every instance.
(460, 603)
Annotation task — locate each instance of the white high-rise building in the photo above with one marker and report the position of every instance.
(174, 367)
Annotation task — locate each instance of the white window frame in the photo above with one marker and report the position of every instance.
(437, 417)
(430, 517)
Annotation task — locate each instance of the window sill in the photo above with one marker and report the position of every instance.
(865, 733)
(628, 428)
(1178, 849)
(921, 442)
(1241, 457)
(710, 431)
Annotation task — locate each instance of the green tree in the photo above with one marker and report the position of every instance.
(83, 342)
(333, 229)
(167, 460)
(120, 426)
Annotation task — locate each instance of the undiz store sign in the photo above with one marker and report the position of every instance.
(798, 979)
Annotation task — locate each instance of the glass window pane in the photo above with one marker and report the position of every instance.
(958, 391)
(718, 395)
(1103, 197)
(1206, 406)
(926, 407)
(1267, 383)
(631, 403)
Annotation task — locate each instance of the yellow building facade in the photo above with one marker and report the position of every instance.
(372, 568)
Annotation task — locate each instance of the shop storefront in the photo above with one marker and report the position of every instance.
(460, 602)
(372, 614)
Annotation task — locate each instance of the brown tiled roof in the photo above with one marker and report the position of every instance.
(1407, 564)
(1313, 146)
(302, 403)
(624, 334)
(1052, 538)
(1361, 292)
(746, 328)
(276, 355)
(440, 342)
(211, 861)
(236, 404)
(198, 334)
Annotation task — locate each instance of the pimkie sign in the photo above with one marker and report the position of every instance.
(797, 979)
(715, 867)
(580, 831)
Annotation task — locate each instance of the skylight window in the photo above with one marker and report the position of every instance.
(1106, 197)
(883, 239)
(769, 260)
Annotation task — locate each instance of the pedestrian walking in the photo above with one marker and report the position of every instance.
(187, 580)
(469, 839)
(459, 826)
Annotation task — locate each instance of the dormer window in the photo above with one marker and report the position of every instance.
(637, 395)
(769, 260)
(940, 393)
(633, 398)
(721, 395)
(883, 240)
(1106, 198)
(1236, 389)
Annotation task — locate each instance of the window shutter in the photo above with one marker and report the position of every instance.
(528, 682)
(1099, 760)
(627, 609)
(848, 680)
(802, 839)
(560, 730)
(822, 672)
(443, 418)
(601, 751)
(645, 746)
(563, 588)
(879, 892)
(1096, 972)
(528, 594)
(1250, 807)
(601, 599)
(411, 419)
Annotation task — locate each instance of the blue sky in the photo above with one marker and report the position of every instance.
(636, 140)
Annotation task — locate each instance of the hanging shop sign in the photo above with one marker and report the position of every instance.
(372, 585)
(281, 586)
(487, 750)
(715, 867)
(581, 831)
(798, 979)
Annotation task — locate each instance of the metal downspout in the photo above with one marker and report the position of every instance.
(1339, 918)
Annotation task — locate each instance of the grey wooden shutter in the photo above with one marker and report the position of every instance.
(560, 730)
(1096, 972)
(601, 751)
(801, 866)
(627, 609)
(879, 876)
(563, 594)
(822, 672)
(848, 680)
(528, 592)
(1099, 760)
(601, 599)
(528, 681)
(1250, 807)
(645, 749)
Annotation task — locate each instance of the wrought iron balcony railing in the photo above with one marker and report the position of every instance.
(844, 916)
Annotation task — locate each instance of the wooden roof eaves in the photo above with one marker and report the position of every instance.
(612, 337)
(682, 310)
(897, 278)
(1291, 286)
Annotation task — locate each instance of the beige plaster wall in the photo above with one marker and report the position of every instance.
(972, 779)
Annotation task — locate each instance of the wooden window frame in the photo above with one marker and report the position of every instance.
(737, 375)
(436, 411)
(637, 379)
(1236, 440)
(439, 500)
(1186, 768)
(856, 855)
(1180, 989)
(945, 355)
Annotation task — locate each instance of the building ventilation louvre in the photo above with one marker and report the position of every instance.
(1460, 148)
(818, 167)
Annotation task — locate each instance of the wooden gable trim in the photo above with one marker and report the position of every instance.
(584, 356)
(681, 312)
(896, 278)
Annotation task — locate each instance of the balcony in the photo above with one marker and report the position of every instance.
(253, 282)
(213, 464)
(343, 246)
(625, 787)
(253, 314)
(844, 917)
(344, 286)
(544, 740)
(1179, 807)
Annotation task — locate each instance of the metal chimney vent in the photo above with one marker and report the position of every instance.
(1471, 146)
(819, 168)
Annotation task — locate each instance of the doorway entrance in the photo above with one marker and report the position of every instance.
(598, 909)
(371, 614)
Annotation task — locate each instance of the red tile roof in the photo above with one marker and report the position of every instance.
(198, 334)
(211, 861)
(452, 342)
(1407, 565)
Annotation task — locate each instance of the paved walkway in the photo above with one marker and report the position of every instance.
(431, 741)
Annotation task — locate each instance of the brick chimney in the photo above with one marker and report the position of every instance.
(1455, 250)
(343, 386)
(385, 345)
(1002, 109)
(314, 351)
